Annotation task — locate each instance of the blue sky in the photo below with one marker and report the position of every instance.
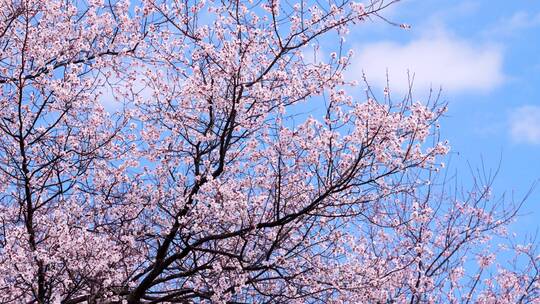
(486, 56)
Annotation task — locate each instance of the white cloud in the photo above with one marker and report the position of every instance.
(514, 24)
(525, 124)
(138, 86)
(522, 20)
(313, 54)
(438, 60)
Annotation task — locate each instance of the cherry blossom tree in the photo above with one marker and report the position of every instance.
(158, 152)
